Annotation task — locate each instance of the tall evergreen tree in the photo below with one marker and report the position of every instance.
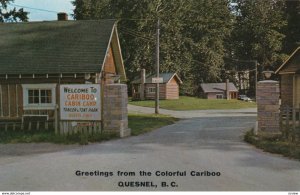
(292, 31)
(191, 41)
(258, 30)
(258, 34)
(210, 24)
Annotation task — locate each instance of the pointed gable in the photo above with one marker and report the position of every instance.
(291, 65)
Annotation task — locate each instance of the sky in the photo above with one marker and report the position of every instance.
(53, 6)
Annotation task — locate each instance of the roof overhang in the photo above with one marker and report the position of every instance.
(175, 75)
(284, 63)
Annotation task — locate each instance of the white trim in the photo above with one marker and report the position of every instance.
(50, 106)
(180, 81)
(287, 73)
(119, 50)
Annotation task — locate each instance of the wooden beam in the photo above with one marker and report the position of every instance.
(56, 120)
(1, 103)
(294, 91)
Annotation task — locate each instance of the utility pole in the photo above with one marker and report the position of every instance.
(256, 76)
(157, 69)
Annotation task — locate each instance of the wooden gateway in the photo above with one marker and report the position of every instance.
(289, 73)
(38, 57)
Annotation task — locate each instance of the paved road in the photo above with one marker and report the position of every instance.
(200, 144)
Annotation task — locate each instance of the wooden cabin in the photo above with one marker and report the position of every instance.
(144, 89)
(38, 57)
(289, 73)
(219, 91)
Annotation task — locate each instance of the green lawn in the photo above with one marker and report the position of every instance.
(193, 103)
(139, 124)
(142, 123)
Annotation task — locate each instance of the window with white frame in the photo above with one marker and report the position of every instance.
(151, 89)
(219, 96)
(39, 96)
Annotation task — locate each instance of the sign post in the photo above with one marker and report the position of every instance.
(157, 80)
(80, 102)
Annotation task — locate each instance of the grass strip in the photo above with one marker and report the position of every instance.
(139, 124)
(193, 103)
(143, 123)
(275, 144)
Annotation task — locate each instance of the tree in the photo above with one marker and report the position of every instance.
(191, 41)
(292, 31)
(258, 33)
(210, 23)
(11, 15)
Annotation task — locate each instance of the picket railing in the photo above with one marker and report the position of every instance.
(290, 123)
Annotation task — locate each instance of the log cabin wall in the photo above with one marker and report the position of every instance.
(11, 101)
(286, 90)
(11, 98)
(150, 94)
(109, 69)
(172, 89)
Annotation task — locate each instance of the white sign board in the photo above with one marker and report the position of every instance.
(80, 102)
(157, 80)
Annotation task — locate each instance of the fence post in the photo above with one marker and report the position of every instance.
(287, 122)
(56, 119)
(294, 124)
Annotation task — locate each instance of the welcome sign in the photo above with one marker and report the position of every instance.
(80, 102)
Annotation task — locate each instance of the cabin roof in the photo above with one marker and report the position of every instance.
(166, 78)
(217, 87)
(55, 46)
(292, 64)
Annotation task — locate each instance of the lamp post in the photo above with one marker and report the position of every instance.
(268, 74)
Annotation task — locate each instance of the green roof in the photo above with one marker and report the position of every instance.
(54, 47)
(166, 78)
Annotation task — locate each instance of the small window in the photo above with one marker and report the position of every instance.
(151, 89)
(39, 96)
(219, 96)
(46, 96)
